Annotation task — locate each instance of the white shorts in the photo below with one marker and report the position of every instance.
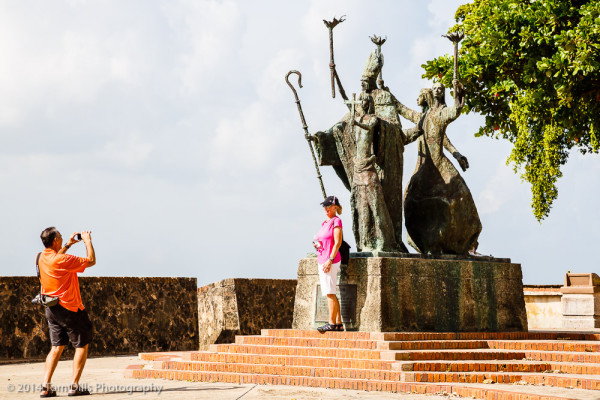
(329, 279)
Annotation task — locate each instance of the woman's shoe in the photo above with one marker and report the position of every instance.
(76, 390)
(327, 328)
(48, 392)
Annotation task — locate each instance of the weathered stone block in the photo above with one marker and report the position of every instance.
(422, 294)
(543, 305)
(575, 322)
(580, 303)
(243, 307)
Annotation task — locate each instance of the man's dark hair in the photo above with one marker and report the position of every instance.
(48, 235)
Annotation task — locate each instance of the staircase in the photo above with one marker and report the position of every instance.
(482, 365)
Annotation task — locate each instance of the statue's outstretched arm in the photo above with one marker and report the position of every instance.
(367, 124)
(462, 160)
(410, 114)
(449, 114)
(459, 93)
(410, 135)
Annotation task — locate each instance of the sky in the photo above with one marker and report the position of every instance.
(167, 129)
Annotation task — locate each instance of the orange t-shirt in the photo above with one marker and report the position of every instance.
(58, 273)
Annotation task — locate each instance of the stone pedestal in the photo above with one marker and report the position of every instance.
(386, 292)
(580, 301)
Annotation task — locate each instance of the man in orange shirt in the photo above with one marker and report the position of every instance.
(68, 320)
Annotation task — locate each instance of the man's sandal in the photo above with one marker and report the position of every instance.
(327, 328)
(77, 391)
(47, 392)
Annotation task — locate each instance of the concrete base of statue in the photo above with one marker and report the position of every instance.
(391, 292)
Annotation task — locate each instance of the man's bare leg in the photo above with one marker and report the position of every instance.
(51, 362)
(79, 362)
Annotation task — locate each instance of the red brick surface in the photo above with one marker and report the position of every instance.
(394, 362)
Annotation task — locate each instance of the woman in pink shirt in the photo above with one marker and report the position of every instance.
(327, 243)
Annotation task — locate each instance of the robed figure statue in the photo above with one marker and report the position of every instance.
(366, 151)
(441, 216)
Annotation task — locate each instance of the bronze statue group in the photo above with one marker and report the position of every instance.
(366, 150)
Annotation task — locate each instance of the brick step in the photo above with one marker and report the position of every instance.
(433, 345)
(167, 355)
(298, 333)
(559, 336)
(284, 370)
(564, 346)
(502, 366)
(446, 355)
(587, 382)
(308, 366)
(491, 354)
(296, 351)
(360, 344)
(557, 356)
(500, 392)
(340, 343)
(291, 360)
(397, 336)
(352, 384)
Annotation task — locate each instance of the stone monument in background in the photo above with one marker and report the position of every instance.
(383, 287)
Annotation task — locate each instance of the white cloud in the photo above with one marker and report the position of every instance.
(244, 142)
(208, 33)
(442, 14)
(270, 88)
(57, 62)
(498, 191)
(128, 151)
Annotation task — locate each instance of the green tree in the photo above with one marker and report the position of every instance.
(532, 68)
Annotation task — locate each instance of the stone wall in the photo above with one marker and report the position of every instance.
(129, 315)
(243, 307)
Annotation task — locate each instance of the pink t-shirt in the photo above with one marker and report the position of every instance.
(325, 237)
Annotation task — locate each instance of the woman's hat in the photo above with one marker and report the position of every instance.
(332, 200)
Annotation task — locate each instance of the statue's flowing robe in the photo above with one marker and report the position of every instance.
(370, 216)
(441, 216)
(337, 147)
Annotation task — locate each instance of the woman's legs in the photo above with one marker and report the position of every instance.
(335, 317)
(328, 288)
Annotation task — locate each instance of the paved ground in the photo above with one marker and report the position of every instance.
(104, 377)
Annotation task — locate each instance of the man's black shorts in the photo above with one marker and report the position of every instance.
(66, 326)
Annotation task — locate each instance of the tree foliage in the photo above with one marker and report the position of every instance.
(532, 68)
